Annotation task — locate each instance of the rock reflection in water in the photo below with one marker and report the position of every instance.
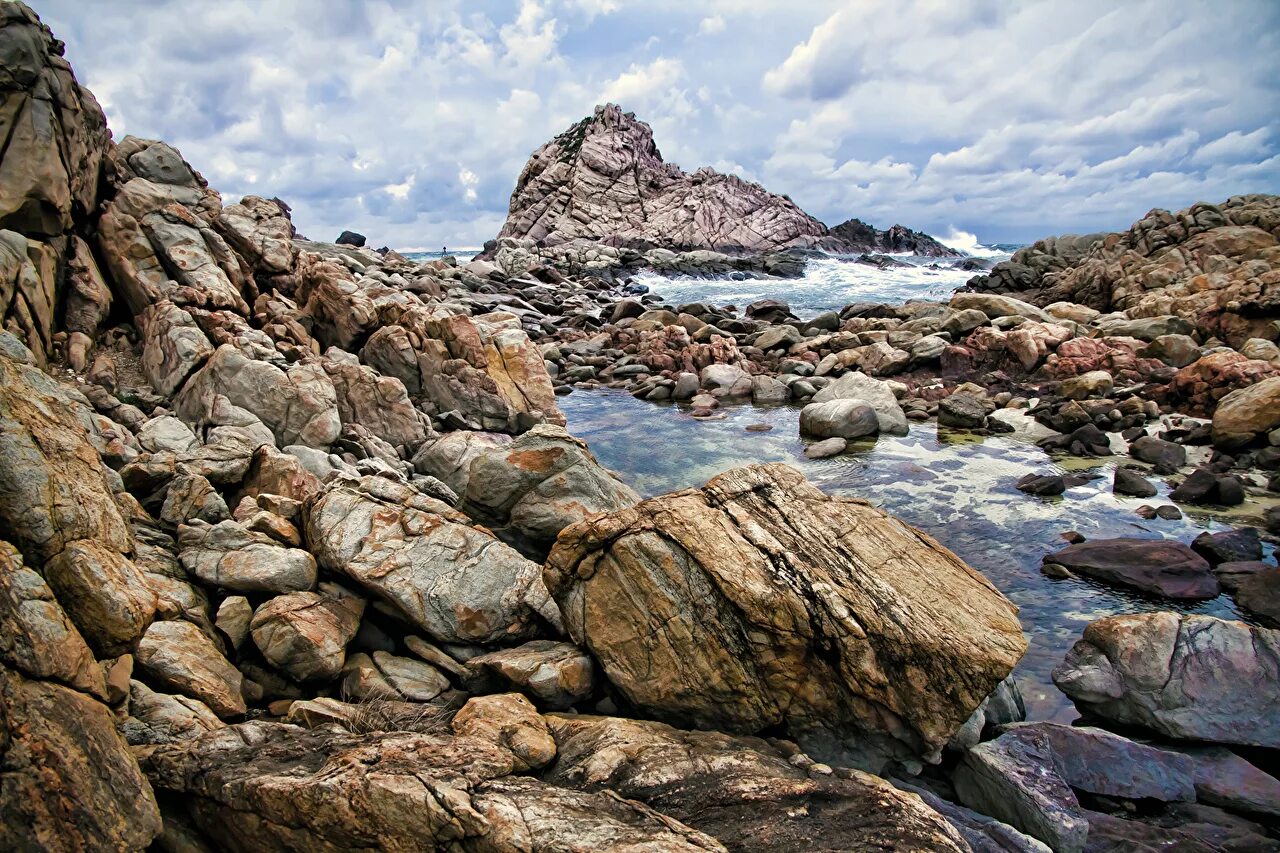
(956, 486)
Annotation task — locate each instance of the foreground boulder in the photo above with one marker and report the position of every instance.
(69, 781)
(1188, 677)
(758, 602)
(270, 786)
(748, 793)
(454, 581)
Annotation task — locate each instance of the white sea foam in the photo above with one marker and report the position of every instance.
(968, 243)
(828, 284)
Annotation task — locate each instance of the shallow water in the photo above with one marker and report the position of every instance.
(955, 486)
(828, 284)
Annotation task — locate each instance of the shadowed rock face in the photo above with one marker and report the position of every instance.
(604, 178)
(744, 791)
(821, 615)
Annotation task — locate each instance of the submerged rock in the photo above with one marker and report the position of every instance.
(1158, 566)
(800, 607)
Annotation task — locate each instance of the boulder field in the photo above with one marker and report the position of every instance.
(296, 551)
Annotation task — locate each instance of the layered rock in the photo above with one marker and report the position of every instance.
(803, 609)
(748, 793)
(263, 786)
(604, 179)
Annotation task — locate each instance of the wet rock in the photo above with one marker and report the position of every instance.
(847, 419)
(1204, 486)
(1187, 677)
(454, 581)
(826, 448)
(305, 634)
(775, 569)
(539, 484)
(1129, 482)
(1237, 545)
(1042, 484)
(263, 786)
(176, 656)
(1157, 566)
(744, 791)
(1259, 593)
(555, 675)
(962, 411)
(508, 720)
(1099, 762)
(1165, 456)
(874, 393)
(725, 380)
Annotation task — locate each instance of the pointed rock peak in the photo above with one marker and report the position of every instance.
(604, 180)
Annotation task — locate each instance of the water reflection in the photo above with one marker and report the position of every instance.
(956, 486)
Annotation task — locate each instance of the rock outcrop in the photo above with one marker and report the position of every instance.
(1212, 265)
(854, 235)
(604, 179)
(801, 606)
(264, 786)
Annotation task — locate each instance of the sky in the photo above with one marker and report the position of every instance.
(410, 121)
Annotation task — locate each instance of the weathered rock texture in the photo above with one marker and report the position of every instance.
(757, 602)
(604, 178)
(264, 786)
(1190, 677)
(743, 791)
(1214, 265)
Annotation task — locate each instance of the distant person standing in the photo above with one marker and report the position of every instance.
(444, 250)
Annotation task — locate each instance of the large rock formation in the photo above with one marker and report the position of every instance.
(1213, 265)
(758, 602)
(605, 179)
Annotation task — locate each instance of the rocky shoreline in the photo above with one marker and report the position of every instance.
(298, 553)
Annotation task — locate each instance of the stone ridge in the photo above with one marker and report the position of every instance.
(604, 179)
(858, 236)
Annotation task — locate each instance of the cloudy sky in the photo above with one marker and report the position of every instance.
(409, 121)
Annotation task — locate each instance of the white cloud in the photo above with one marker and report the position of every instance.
(409, 121)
